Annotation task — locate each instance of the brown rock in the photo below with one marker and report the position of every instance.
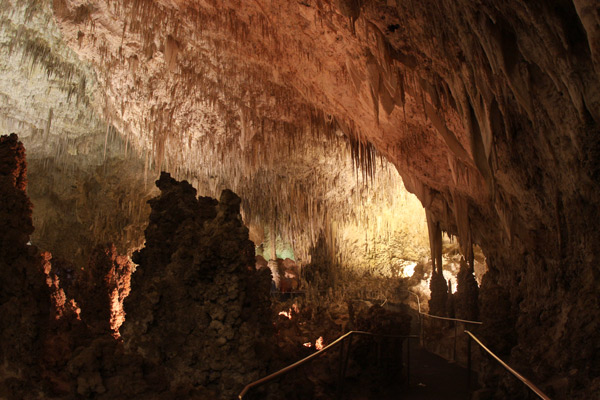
(198, 260)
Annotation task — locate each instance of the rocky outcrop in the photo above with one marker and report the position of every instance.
(60, 335)
(16, 210)
(198, 307)
(24, 297)
(81, 355)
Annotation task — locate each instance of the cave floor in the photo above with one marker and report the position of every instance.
(432, 377)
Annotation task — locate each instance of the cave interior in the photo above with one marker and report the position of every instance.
(196, 193)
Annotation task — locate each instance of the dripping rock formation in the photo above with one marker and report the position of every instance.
(491, 113)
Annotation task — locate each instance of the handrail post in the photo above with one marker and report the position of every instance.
(421, 340)
(408, 363)
(340, 371)
(454, 354)
(346, 357)
(469, 363)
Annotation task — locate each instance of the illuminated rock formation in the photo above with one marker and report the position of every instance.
(100, 289)
(61, 322)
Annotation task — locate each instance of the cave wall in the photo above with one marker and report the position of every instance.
(489, 111)
(24, 297)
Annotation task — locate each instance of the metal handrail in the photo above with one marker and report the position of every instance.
(339, 340)
(417, 296)
(438, 317)
(312, 356)
(526, 381)
(466, 321)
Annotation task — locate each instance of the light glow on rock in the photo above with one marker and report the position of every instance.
(319, 343)
(407, 269)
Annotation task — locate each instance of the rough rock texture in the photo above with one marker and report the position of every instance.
(198, 307)
(438, 303)
(46, 348)
(24, 298)
(60, 322)
(16, 210)
(81, 355)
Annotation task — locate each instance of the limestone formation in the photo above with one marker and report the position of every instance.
(24, 297)
(439, 287)
(467, 293)
(198, 306)
(100, 289)
(439, 294)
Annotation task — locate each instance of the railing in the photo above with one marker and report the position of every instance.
(455, 321)
(520, 377)
(343, 359)
(344, 354)
(472, 337)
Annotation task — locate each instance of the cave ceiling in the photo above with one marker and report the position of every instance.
(474, 103)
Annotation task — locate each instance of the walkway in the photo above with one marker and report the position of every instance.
(431, 378)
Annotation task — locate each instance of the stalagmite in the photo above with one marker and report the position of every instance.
(467, 293)
(194, 291)
(438, 285)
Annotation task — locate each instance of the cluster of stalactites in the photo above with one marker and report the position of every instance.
(281, 159)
